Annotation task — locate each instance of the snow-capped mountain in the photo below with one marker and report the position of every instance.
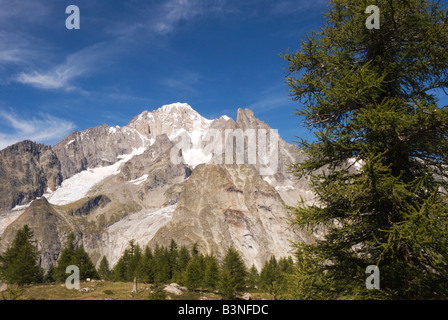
(121, 183)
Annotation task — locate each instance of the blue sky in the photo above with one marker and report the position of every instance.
(131, 56)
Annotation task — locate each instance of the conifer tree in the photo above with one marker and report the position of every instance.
(184, 258)
(194, 274)
(253, 278)
(104, 269)
(162, 265)
(48, 278)
(135, 254)
(146, 268)
(119, 271)
(286, 265)
(270, 274)
(211, 272)
(86, 267)
(19, 264)
(65, 259)
(77, 257)
(173, 258)
(378, 161)
(233, 274)
(182, 263)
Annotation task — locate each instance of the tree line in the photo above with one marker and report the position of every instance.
(20, 265)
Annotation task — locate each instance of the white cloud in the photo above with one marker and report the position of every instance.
(163, 19)
(61, 76)
(175, 11)
(22, 11)
(18, 48)
(44, 129)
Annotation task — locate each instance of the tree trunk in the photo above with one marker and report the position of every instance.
(134, 290)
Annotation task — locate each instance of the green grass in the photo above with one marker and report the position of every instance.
(105, 290)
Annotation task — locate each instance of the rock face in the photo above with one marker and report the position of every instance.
(47, 225)
(230, 205)
(99, 146)
(122, 184)
(27, 170)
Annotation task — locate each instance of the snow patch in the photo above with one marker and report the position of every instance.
(21, 207)
(10, 217)
(139, 180)
(284, 188)
(70, 142)
(268, 180)
(176, 105)
(140, 226)
(113, 130)
(225, 117)
(77, 187)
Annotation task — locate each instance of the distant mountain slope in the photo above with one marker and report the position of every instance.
(139, 182)
(27, 170)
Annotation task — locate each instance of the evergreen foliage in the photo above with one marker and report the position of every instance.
(253, 278)
(233, 275)
(77, 257)
(65, 259)
(211, 272)
(195, 272)
(274, 276)
(378, 163)
(104, 269)
(145, 271)
(19, 264)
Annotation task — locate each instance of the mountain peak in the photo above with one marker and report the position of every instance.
(176, 106)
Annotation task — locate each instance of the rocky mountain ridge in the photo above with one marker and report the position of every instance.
(121, 183)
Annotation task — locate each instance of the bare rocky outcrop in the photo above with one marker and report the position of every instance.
(47, 226)
(27, 170)
(230, 205)
(148, 197)
(99, 146)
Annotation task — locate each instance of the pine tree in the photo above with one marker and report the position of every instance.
(19, 264)
(183, 259)
(173, 258)
(270, 274)
(162, 265)
(211, 272)
(135, 257)
(227, 288)
(194, 274)
(253, 278)
(48, 278)
(65, 259)
(86, 267)
(378, 163)
(286, 265)
(77, 257)
(119, 271)
(126, 266)
(146, 268)
(103, 269)
(233, 274)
